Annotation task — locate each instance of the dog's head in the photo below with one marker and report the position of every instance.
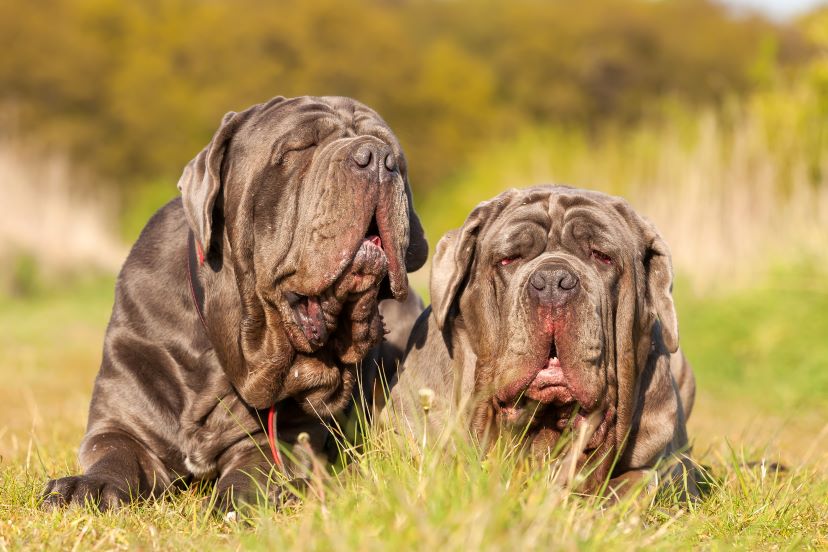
(561, 294)
(308, 200)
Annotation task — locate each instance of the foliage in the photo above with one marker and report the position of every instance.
(735, 191)
(136, 88)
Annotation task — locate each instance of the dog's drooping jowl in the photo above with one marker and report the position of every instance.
(264, 283)
(552, 309)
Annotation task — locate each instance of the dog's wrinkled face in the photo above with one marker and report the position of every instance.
(554, 265)
(319, 226)
(329, 214)
(552, 300)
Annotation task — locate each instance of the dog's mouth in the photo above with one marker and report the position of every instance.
(317, 316)
(309, 316)
(544, 403)
(546, 384)
(549, 386)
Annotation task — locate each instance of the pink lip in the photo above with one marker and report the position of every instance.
(549, 385)
(308, 310)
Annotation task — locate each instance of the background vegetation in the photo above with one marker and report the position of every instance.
(713, 125)
(135, 89)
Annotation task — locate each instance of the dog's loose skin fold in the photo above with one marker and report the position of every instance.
(303, 213)
(552, 309)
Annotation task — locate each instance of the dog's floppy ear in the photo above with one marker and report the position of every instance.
(451, 262)
(659, 273)
(454, 256)
(651, 420)
(201, 180)
(647, 405)
(417, 252)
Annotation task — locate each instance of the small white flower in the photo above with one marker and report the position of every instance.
(426, 399)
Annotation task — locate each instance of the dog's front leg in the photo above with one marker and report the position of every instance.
(248, 475)
(119, 469)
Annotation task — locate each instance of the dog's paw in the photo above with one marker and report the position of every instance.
(101, 492)
(239, 501)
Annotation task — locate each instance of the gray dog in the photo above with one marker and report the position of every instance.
(261, 285)
(552, 308)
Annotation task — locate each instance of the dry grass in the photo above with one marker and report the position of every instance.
(54, 215)
(733, 199)
(734, 208)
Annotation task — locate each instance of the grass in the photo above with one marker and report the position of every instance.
(759, 360)
(760, 355)
(51, 344)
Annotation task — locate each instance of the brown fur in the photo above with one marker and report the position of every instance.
(281, 202)
(487, 336)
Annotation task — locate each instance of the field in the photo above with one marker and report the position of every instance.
(759, 355)
(713, 126)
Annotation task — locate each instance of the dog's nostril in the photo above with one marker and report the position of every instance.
(391, 162)
(568, 281)
(538, 281)
(363, 156)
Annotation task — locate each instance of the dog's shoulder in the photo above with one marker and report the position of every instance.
(154, 276)
(163, 237)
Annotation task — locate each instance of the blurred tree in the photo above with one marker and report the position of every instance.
(135, 89)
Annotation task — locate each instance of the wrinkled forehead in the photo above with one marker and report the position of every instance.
(555, 211)
(311, 120)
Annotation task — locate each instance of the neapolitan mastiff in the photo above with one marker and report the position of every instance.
(552, 308)
(262, 284)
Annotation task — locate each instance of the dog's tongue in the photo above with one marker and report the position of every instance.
(549, 385)
(312, 321)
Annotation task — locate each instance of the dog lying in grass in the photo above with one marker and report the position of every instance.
(552, 310)
(259, 291)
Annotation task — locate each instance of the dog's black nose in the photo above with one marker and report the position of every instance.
(375, 157)
(553, 285)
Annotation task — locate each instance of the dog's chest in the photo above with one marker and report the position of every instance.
(211, 429)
